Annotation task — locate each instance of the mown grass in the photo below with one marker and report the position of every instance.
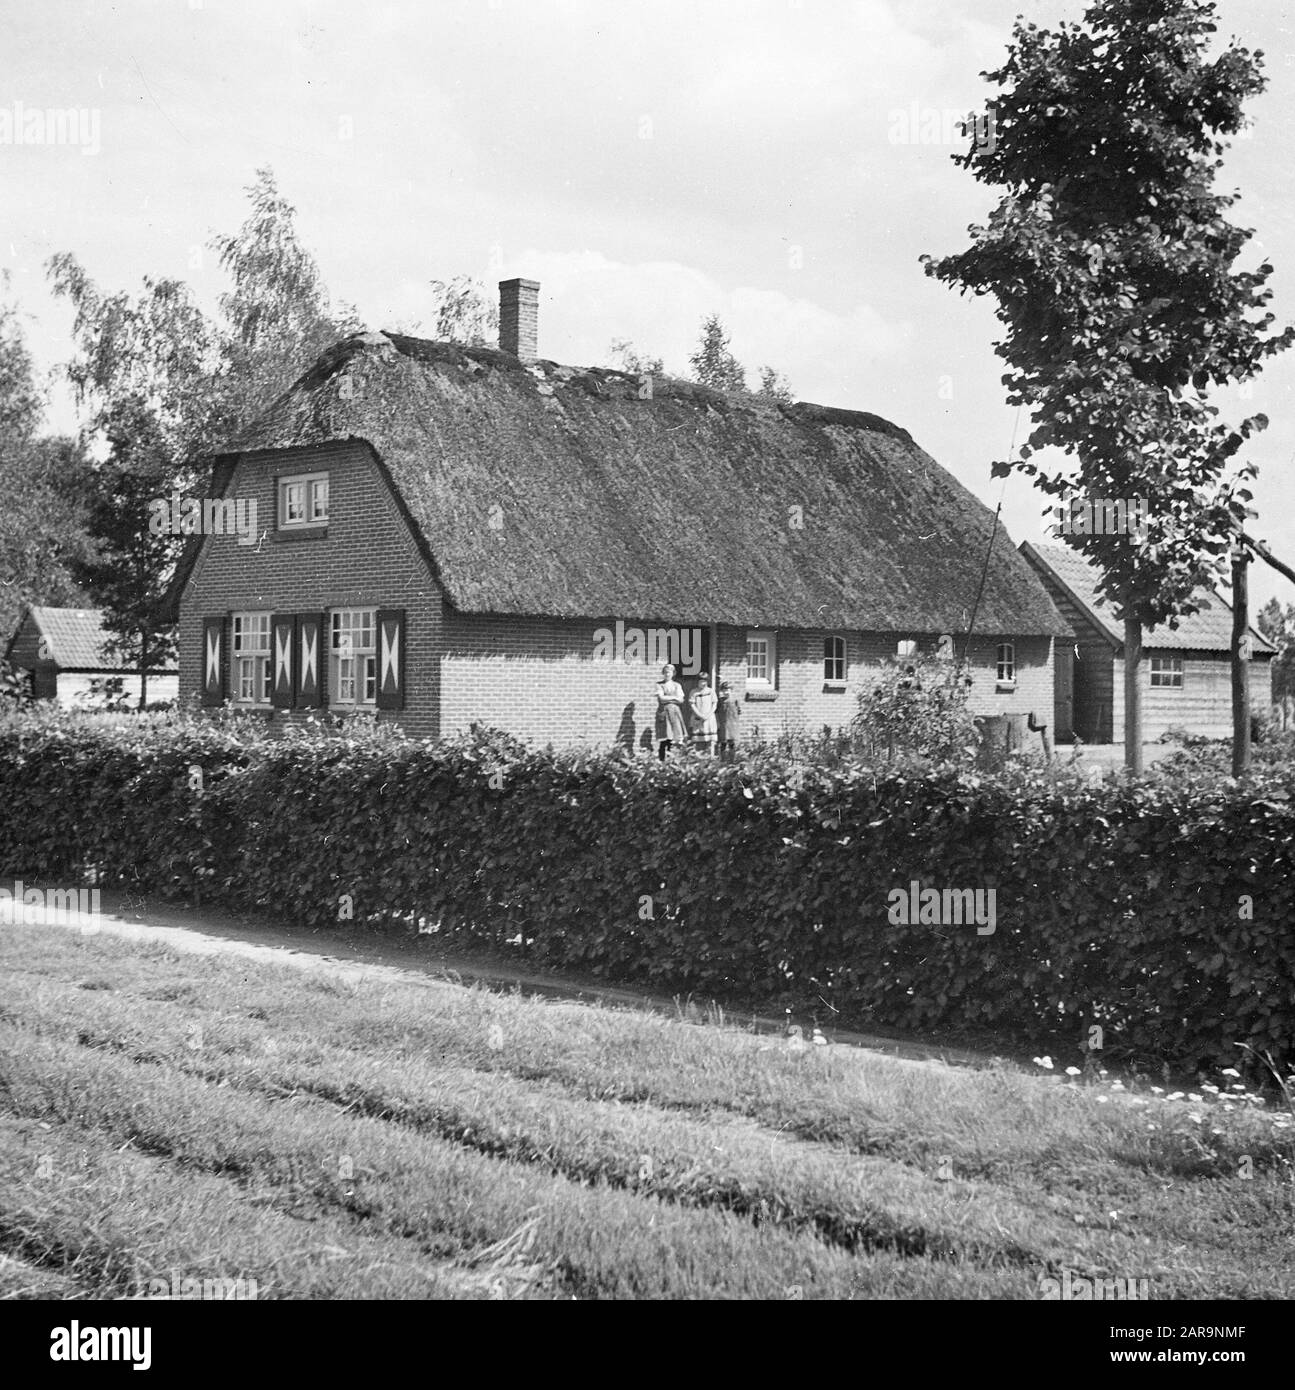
(450, 1142)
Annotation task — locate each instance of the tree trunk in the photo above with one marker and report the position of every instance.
(1133, 695)
(143, 670)
(1240, 663)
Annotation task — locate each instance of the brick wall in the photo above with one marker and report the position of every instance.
(538, 679)
(368, 559)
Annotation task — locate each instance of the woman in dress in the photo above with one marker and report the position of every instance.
(702, 702)
(669, 712)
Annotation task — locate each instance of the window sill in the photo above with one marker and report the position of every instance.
(301, 533)
(755, 693)
(837, 687)
(1006, 687)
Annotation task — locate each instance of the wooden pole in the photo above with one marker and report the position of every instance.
(1133, 695)
(1240, 662)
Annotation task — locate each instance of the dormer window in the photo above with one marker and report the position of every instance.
(303, 501)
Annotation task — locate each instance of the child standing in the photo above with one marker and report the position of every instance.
(730, 720)
(702, 703)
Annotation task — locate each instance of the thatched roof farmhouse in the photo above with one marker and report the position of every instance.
(491, 517)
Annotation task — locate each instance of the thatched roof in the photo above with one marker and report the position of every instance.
(677, 508)
(1209, 630)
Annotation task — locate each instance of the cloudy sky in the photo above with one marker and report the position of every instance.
(648, 163)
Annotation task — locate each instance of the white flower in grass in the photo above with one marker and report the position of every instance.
(1044, 1062)
(1072, 1071)
(1213, 1090)
(1191, 1095)
(1236, 1086)
(1101, 1100)
(1116, 1085)
(1229, 1071)
(1157, 1090)
(1177, 1095)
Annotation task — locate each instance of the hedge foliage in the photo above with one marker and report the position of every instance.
(1121, 904)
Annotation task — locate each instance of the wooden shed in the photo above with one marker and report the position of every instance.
(1186, 671)
(62, 650)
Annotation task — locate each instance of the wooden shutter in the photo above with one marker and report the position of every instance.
(283, 685)
(213, 661)
(391, 658)
(312, 661)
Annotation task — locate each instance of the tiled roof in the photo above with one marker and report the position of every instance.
(1210, 629)
(75, 637)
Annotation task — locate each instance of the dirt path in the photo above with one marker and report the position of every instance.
(351, 954)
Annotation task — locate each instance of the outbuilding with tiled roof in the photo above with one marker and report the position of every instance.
(1186, 670)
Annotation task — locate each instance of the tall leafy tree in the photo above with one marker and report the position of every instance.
(465, 313)
(1115, 271)
(277, 317)
(127, 571)
(627, 358)
(164, 384)
(774, 386)
(713, 364)
(41, 488)
(1278, 626)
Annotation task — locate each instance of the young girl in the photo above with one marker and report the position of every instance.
(730, 720)
(669, 712)
(702, 702)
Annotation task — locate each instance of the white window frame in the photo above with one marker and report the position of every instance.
(760, 638)
(1005, 666)
(314, 501)
(835, 657)
(1166, 672)
(250, 659)
(353, 663)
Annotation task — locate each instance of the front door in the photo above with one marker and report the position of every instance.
(703, 653)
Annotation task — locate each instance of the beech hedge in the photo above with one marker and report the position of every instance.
(1159, 910)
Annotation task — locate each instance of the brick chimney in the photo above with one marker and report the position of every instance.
(519, 307)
